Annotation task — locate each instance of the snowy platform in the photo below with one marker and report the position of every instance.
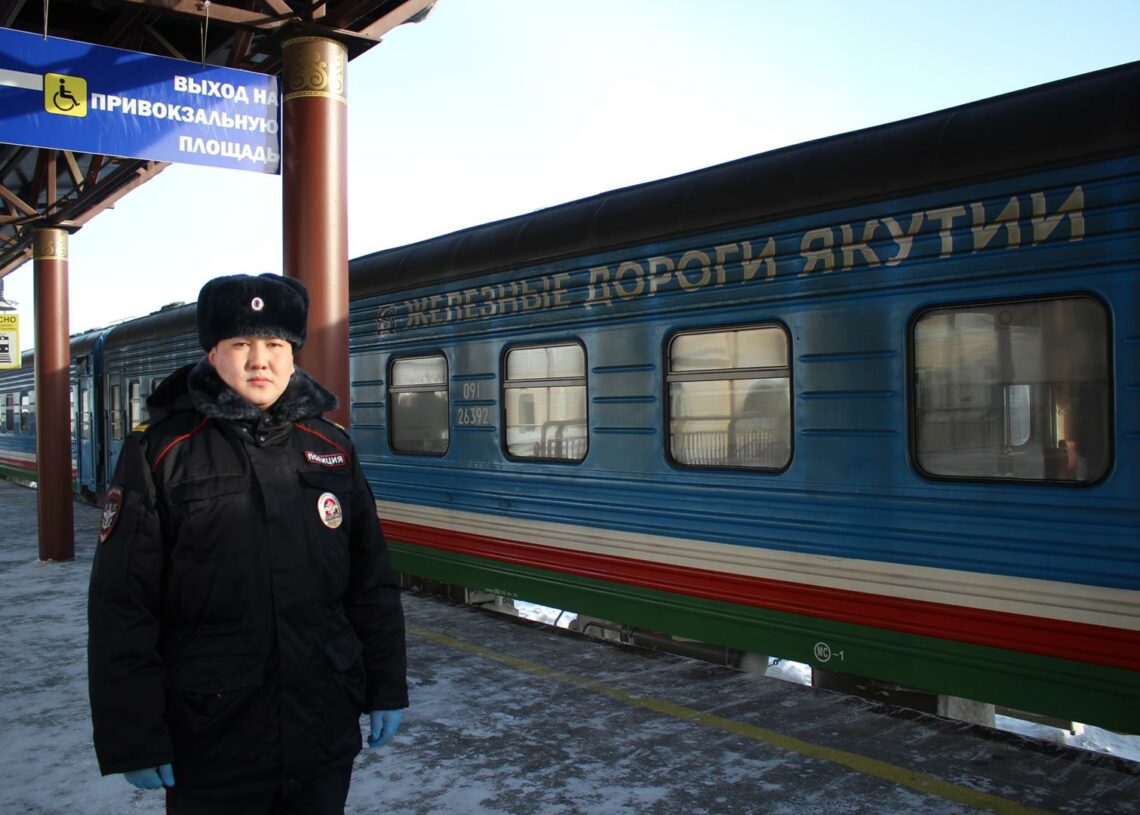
(510, 716)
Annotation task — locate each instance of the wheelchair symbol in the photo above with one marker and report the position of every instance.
(65, 95)
(63, 99)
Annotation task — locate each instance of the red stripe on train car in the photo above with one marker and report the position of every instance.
(21, 463)
(1101, 645)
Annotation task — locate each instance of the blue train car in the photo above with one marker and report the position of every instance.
(113, 371)
(18, 416)
(86, 406)
(18, 420)
(136, 356)
(871, 402)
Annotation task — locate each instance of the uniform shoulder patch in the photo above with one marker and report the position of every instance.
(112, 507)
(335, 424)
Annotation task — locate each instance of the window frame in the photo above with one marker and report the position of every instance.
(115, 412)
(136, 404)
(27, 412)
(718, 375)
(392, 390)
(993, 302)
(582, 381)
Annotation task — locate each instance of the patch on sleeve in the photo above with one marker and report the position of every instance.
(326, 459)
(111, 510)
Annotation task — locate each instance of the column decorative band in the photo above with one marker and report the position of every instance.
(314, 66)
(49, 244)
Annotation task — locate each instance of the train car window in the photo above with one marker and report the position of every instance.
(730, 398)
(116, 412)
(136, 404)
(1013, 391)
(26, 412)
(544, 398)
(6, 419)
(419, 406)
(73, 389)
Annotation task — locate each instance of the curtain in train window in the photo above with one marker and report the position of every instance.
(418, 405)
(544, 397)
(137, 401)
(116, 412)
(1016, 390)
(730, 398)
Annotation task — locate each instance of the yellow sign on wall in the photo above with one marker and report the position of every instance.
(9, 340)
(65, 95)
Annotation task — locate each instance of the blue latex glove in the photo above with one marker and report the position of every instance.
(152, 778)
(385, 724)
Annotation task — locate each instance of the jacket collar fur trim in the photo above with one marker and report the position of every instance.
(198, 387)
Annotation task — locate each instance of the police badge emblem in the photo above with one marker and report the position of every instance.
(111, 506)
(328, 508)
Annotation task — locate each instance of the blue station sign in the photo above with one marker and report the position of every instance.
(67, 95)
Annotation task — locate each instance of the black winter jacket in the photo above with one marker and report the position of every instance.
(242, 612)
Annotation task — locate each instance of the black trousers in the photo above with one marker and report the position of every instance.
(321, 796)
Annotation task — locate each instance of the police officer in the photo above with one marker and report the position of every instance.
(242, 611)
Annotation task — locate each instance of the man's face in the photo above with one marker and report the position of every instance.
(258, 368)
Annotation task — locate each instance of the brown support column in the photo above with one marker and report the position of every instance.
(315, 190)
(53, 395)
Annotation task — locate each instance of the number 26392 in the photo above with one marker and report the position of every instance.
(474, 415)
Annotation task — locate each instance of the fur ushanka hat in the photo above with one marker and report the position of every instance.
(241, 305)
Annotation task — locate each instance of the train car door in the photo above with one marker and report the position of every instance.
(85, 447)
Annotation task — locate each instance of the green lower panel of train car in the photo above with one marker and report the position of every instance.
(16, 473)
(27, 476)
(1093, 694)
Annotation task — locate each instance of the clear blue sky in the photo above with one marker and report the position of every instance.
(493, 108)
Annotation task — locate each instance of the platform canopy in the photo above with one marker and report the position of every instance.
(43, 187)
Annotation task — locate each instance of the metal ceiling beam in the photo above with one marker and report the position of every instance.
(410, 11)
(155, 35)
(16, 201)
(214, 11)
(73, 167)
(8, 11)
